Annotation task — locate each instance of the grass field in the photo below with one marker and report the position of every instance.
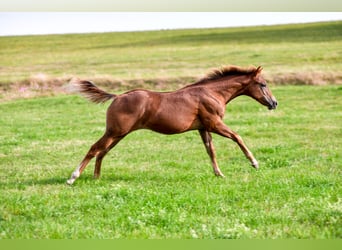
(157, 186)
(302, 53)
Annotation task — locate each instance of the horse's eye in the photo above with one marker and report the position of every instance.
(263, 85)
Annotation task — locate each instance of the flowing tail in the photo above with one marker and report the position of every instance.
(90, 91)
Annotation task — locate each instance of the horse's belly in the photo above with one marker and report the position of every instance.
(196, 124)
(174, 125)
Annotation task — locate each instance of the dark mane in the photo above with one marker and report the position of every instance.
(226, 71)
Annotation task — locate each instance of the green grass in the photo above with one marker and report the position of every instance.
(283, 49)
(157, 186)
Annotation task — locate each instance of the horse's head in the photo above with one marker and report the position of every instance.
(258, 89)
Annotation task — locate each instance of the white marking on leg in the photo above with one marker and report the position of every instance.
(255, 163)
(74, 176)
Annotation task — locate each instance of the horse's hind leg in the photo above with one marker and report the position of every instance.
(209, 146)
(99, 157)
(98, 148)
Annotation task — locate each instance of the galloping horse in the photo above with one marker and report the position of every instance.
(199, 106)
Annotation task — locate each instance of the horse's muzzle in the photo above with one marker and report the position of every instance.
(272, 104)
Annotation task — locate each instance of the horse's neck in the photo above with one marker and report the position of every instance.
(227, 89)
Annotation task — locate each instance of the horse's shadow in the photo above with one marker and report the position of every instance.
(22, 185)
(49, 181)
(86, 179)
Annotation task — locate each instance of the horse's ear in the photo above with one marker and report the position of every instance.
(258, 71)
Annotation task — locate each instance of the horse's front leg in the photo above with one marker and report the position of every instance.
(222, 129)
(209, 146)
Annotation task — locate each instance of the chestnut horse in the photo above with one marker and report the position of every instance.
(199, 106)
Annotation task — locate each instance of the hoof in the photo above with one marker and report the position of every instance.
(70, 181)
(220, 175)
(255, 164)
(73, 177)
